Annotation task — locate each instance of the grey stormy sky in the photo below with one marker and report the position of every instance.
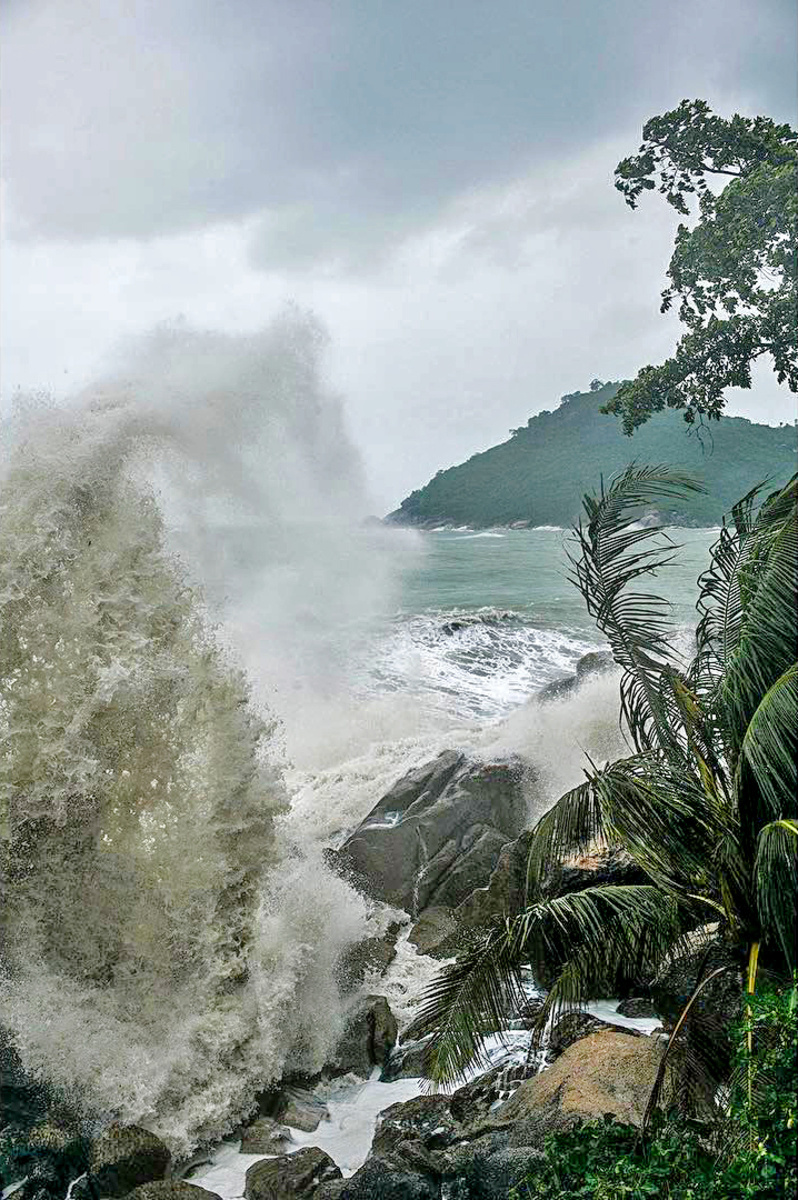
(433, 179)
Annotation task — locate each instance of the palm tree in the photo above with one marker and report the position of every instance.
(704, 803)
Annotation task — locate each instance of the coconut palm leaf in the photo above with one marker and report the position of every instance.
(662, 818)
(719, 601)
(469, 999)
(770, 744)
(776, 872)
(637, 624)
(705, 1068)
(768, 641)
(597, 934)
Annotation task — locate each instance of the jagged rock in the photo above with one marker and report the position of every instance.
(637, 1006)
(407, 1061)
(413, 1135)
(603, 1073)
(301, 1109)
(489, 1172)
(436, 835)
(703, 950)
(571, 1027)
(372, 956)
(434, 930)
(171, 1189)
(472, 1102)
(291, 1176)
(378, 1180)
(370, 1035)
(50, 1155)
(599, 867)
(505, 891)
(125, 1156)
(264, 1136)
(596, 662)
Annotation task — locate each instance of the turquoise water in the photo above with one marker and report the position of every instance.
(526, 571)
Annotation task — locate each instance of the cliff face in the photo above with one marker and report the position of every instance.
(539, 475)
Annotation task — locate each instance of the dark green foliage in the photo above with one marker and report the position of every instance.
(705, 804)
(752, 1153)
(733, 273)
(542, 472)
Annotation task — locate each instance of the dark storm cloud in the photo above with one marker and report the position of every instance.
(344, 126)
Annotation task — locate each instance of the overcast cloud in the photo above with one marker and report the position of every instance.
(434, 179)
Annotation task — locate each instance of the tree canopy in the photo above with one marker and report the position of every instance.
(733, 272)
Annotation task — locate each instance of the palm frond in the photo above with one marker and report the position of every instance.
(661, 815)
(703, 1069)
(776, 872)
(768, 642)
(592, 936)
(637, 624)
(469, 999)
(571, 826)
(719, 602)
(770, 744)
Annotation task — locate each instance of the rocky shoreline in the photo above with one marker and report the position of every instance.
(447, 844)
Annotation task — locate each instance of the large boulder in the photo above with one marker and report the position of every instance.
(701, 952)
(434, 931)
(606, 1073)
(369, 957)
(379, 1180)
(291, 1176)
(171, 1189)
(125, 1156)
(436, 835)
(368, 1039)
(302, 1110)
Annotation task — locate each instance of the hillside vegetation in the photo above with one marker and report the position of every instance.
(540, 474)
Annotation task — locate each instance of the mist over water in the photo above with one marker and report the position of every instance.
(211, 668)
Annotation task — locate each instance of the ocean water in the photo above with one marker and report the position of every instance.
(213, 669)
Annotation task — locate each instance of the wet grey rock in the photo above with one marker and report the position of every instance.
(369, 1037)
(433, 931)
(171, 1189)
(125, 1156)
(265, 1136)
(437, 834)
(596, 662)
(571, 1027)
(637, 1006)
(291, 1176)
(301, 1109)
(407, 1061)
(378, 1180)
(371, 957)
(413, 1136)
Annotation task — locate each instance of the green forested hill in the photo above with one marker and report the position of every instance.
(540, 474)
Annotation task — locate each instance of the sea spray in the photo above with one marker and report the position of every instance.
(166, 952)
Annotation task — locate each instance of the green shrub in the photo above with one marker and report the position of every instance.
(751, 1153)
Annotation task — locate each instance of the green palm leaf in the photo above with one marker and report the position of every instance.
(637, 624)
(776, 870)
(597, 934)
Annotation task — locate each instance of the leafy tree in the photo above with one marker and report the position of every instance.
(733, 273)
(705, 804)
